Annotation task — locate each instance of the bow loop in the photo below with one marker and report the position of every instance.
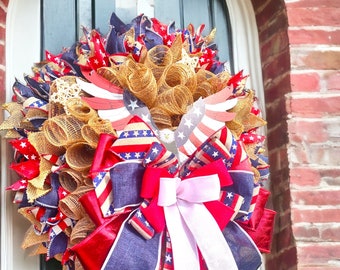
(195, 190)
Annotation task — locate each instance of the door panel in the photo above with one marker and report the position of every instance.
(59, 32)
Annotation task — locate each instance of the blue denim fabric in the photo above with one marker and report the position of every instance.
(244, 186)
(246, 254)
(126, 180)
(132, 252)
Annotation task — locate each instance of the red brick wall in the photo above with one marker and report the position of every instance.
(301, 62)
(314, 131)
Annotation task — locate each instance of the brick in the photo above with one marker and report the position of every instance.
(259, 5)
(323, 60)
(276, 88)
(298, 155)
(2, 33)
(325, 266)
(314, 154)
(285, 238)
(2, 16)
(324, 155)
(281, 201)
(275, 44)
(325, 232)
(306, 232)
(278, 159)
(333, 80)
(330, 172)
(285, 219)
(304, 131)
(330, 232)
(276, 66)
(313, 3)
(269, 28)
(305, 82)
(314, 107)
(277, 114)
(269, 13)
(2, 54)
(304, 176)
(320, 16)
(279, 186)
(330, 176)
(320, 60)
(2, 86)
(319, 253)
(304, 36)
(277, 136)
(316, 197)
(332, 126)
(315, 215)
(284, 260)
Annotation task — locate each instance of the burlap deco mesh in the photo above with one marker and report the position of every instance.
(203, 90)
(44, 170)
(32, 239)
(87, 181)
(80, 109)
(161, 118)
(70, 179)
(91, 131)
(175, 120)
(175, 100)
(82, 229)
(42, 145)
(34, 193)
(205, 84)
(12, 134)
(222, 80)
(63, 130)
(70, 205)
(16, 116)
(139, 79)
(100, 125)
(157, 59)
(110, 73)
(25, 212)
(177, 74)
(176, 48)
(79, 156)
(40, 249)
(32, 113)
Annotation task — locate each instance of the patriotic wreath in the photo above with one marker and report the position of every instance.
(139, 150)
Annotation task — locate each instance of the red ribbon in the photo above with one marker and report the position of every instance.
(104, 157)
(150, 187)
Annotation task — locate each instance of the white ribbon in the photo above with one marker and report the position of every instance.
(191, 225)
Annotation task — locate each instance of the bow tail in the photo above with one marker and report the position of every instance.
(184, 249)
(200, 221)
